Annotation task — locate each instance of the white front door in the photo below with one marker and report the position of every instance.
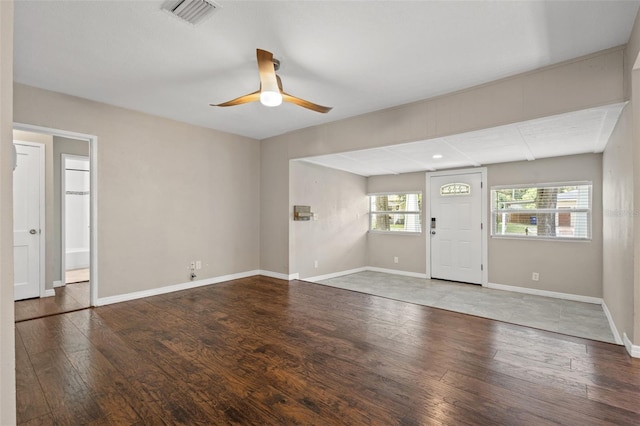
(27, 180)
(455, 227)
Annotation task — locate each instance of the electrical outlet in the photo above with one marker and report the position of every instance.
(395, 259)
(315, 263)
(192, 265)
(535, 276)
(198, 264)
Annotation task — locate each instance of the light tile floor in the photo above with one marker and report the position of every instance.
(562, 316)
(76, 275)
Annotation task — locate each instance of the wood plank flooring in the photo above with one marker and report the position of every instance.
(269, 352)
(68, 298)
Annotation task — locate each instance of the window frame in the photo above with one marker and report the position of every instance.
(494, 211)
(418, 213)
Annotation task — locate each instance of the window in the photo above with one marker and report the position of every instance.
(455, 189)
(395, 212)
(542, 211)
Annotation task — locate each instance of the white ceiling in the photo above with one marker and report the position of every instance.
(564, 134)
(357, 56)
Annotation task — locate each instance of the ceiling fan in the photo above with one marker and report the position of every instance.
(270, 92)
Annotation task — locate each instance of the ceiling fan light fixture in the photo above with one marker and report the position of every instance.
(270, 98)
(271, 93)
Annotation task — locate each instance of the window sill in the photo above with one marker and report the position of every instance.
(536, 238)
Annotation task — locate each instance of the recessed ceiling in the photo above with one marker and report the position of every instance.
(579, 132)
(357, 56)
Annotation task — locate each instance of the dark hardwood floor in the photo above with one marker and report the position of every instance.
(263, 351)
(70, 297)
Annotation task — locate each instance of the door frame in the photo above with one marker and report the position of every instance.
(41, 215)
(63, 209)
(484, 202)
(93, 196)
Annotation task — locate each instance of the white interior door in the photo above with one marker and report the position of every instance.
(27, 195)
(456, 227)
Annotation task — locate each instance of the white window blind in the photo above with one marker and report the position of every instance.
(543, 211)
(395, 212)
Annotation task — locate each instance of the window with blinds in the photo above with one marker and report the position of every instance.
(561, 211)
(395, 212)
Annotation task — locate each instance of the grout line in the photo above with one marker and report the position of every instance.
(52, 314)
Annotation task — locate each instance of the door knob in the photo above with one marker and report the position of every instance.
(33, 231)
(433, 232)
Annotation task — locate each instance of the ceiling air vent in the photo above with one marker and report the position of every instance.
(192, 11)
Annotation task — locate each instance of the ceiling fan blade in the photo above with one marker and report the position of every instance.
(268, 82)
(251, 97)
(305, 104)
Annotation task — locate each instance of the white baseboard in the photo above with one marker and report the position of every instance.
(335, 274)
(546, 293)
(278, 275)
(49, 292)
(634, 350)
(190, 284)
(57, 284)
(171, 288)
(612, 325)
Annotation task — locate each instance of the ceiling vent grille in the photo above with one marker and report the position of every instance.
(192, 11)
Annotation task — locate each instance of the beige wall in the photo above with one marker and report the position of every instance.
(584, 82)
(7, 338)
(338, 238)
(573, 267)
(168, 192)
(274, 207)
(618, 224)
(410, 249)
(635, 142)
(61, 146)
(632, 92)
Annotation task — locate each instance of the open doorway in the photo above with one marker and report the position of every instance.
(75, 185)
(66, 230)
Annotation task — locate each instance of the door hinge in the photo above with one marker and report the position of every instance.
(481, 183)
(481, 225)
(481, 267)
